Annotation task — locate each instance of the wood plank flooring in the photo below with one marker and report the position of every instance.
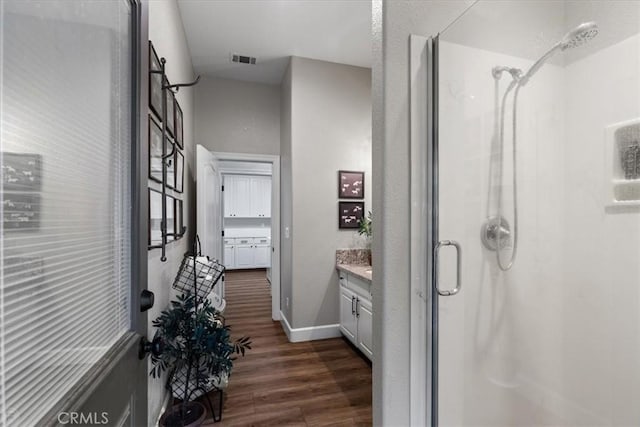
(316, 383)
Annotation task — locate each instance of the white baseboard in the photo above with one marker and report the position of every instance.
(311, 333)
(165, 405)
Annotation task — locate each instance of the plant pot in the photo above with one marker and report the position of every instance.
(194, 416)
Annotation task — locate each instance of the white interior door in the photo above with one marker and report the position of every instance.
(209, 206)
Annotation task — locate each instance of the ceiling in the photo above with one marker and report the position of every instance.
(273, 30)
(528, 29)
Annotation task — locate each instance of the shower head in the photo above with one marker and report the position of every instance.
(579, 35)
(574, 38)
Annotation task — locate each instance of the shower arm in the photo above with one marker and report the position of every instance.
(539, 63)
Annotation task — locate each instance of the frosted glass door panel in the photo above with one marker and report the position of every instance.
(66, 143)
(555, 339)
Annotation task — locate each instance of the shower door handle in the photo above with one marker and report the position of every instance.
(448, 292)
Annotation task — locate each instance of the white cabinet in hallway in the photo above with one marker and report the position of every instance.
(262, 252)
(229, 254)
(356, 313)
(247, 252)
(260, 190)
(247, 196)
(244, 253)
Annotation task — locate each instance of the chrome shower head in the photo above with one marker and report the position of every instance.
(579, 35)
(574, 38)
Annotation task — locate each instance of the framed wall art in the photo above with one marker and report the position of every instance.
(171, 164)
(170, 109)
(155, 82)
(350, 185)
(179, 127)
(21, 211)
(155, 151)
(21, 171)
(179, 172)
(171, 218)
(179, 221)
(155, 217)
(350, 214)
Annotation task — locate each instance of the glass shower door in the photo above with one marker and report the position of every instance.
(538, 183)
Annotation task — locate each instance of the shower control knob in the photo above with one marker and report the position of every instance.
(496, 233)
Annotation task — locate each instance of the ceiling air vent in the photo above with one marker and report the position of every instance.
(242, 59)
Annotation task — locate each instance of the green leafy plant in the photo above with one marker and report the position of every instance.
(194, 340)
(365, 226)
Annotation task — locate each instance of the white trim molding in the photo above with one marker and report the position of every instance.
(165, 406)
(311, 333)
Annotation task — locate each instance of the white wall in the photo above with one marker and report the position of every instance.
(237, 117)
(600, 293)
(330, 131)
(167, 34)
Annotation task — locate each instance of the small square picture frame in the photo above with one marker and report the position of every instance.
(350, 184)
(155, 82)
(179, 128)
(179, 171)
(350, 214)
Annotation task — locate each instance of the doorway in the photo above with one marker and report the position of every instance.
(245, 208)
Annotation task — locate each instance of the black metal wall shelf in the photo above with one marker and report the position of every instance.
(167, 157)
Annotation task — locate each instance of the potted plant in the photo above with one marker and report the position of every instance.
(365, 229)
(197, 352)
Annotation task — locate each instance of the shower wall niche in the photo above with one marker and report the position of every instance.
(622, 144)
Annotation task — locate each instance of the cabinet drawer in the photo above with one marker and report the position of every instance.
(229, 241)
(261, 240)
(244, 241)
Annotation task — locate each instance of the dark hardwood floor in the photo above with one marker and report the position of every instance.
(316, 383)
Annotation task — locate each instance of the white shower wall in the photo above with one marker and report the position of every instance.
(601, 278)
(555, 340)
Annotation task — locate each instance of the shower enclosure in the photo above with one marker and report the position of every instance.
(533, 149)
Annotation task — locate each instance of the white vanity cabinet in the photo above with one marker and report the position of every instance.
(356, 312)
(348, 323)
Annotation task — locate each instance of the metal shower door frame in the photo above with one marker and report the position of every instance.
(424, 226)
(432, 229)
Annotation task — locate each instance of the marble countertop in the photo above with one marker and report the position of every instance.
(363, 271)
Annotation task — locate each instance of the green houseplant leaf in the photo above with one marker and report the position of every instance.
(194, 338)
